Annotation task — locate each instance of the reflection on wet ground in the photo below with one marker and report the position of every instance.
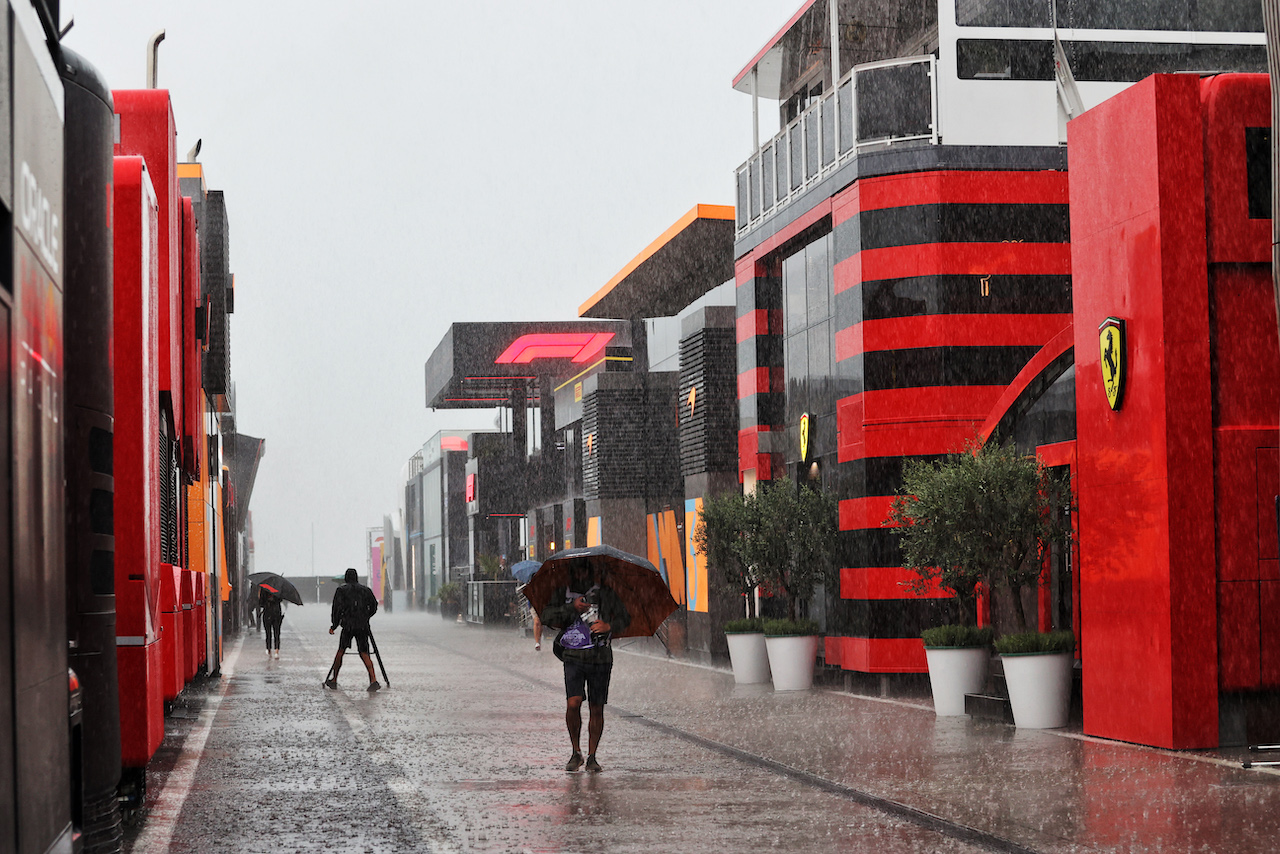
(465, 752)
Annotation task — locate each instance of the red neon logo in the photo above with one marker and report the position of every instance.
(578, 346)
(471, 488)
(453, 443)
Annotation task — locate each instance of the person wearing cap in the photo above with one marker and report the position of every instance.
(353, 605)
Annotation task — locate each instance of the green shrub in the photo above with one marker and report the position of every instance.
(780, 628)
(743, 626)
(1033, 642)
(450, 595)
(943, 637)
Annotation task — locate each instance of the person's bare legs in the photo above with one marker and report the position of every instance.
(573, 720)
(368, 665)
(337, 665)
(595, 727)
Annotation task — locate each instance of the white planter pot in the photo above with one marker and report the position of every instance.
(1039, 688)
(954, 672)
(748, 656)
(791, 660)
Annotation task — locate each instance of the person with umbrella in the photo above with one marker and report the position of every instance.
(523, 572)
(272, 616)
(353, 605)
(588, 613)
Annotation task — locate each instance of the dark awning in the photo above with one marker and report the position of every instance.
(478, 365)
(689, 259)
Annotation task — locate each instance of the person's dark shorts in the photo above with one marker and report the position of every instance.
(591, 676)
(361, 639)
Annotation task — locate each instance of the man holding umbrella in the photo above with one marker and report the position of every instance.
(588, 613)
(353, 605)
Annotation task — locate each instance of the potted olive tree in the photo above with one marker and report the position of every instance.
(790, 539)
(719, 538)
(987, 517)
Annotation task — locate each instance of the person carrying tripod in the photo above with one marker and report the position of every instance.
(353, 605)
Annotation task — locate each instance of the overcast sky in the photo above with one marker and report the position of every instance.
(391, 168)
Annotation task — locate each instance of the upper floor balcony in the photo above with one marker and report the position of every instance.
(877, 104)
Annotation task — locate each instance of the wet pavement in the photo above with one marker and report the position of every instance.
(464, 752)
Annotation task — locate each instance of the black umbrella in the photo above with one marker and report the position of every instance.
(278, 585)
(636, 581)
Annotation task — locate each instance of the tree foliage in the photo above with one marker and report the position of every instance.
(791, 539)
(988, 515)
(719, 538)
(780, 534)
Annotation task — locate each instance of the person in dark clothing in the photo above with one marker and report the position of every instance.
(588, 614)
(272, 616)
(353, 605)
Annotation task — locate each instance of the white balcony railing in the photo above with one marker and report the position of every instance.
(876, 104)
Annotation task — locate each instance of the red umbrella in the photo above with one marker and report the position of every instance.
(637, 582)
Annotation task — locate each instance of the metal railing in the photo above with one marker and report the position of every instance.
(876, 104)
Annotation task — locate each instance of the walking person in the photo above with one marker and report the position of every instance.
(353, 605)
(272, 616)
(588, 613)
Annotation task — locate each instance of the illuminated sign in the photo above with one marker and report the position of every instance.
(577, 392)
(576, 346)
(1112, 345)
(471, 488)
(804, 437)
(693, 399)
(453, 443)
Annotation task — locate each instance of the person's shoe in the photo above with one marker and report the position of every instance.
(574, 763)
(537, 646)
(592, 764)
(375, 685)
(331, 683)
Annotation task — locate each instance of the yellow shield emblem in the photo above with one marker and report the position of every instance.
(804, 437)
(1111, 342)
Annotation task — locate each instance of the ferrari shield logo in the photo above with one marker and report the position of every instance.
(804, 437)
(1113, 349)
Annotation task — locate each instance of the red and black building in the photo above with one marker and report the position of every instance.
(912, 278)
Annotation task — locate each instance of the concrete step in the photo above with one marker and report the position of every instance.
(988, 707)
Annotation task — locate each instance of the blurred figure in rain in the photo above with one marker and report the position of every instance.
(587, 612)
(272, 616)
(537, 630)
(353, 605)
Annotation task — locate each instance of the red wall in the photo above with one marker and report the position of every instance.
(1148, 634)
(136, 456)
(1246, 395)
(147, 129)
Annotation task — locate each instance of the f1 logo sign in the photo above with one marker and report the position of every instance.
(577, 346)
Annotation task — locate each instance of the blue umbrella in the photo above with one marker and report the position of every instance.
(524, 570)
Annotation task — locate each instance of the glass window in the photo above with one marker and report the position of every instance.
(820, 358)
(1017, 59)
(796, 358)
(794, 289)
(846, 116)
(894, 102)
(1218, 16)
(818, 279)
(767, 179)
(797, 156)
